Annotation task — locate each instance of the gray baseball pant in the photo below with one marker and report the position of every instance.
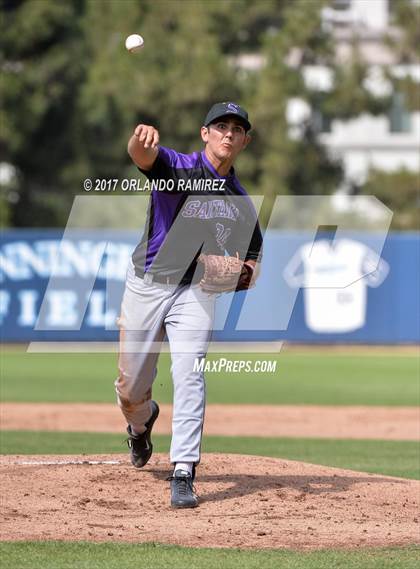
(186, 315)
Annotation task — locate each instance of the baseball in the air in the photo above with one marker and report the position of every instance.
(134, 42)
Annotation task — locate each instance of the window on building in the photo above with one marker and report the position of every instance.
(341, 4)
(399, 117)
(320, 122)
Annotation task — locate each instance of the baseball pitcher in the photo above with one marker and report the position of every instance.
(201, 239)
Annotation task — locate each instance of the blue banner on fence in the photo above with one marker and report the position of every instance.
(299, 297)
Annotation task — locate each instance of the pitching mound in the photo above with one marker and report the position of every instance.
(246, 502)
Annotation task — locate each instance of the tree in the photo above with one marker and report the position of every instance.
(42, 63)
(405, 44)
(286, 165)
(400, 192)
(303, 166)
(71, 94)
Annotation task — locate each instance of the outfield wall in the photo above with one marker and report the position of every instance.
(351, 291)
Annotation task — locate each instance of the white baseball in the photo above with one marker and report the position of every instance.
(134, 42)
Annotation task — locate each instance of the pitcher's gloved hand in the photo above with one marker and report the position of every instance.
(225, 274)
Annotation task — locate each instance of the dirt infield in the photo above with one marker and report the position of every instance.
(246, 502)
(350, 422)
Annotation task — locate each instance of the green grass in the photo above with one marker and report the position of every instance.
(393, 458)
(61, 555)
(321, 379)
(300, 379)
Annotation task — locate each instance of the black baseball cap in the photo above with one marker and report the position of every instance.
(220, 110)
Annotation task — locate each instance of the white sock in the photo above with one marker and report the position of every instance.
(185, 466)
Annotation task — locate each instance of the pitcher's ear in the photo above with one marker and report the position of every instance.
(247, 140)
(204, 133)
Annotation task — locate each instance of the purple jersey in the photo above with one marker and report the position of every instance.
(193, 209)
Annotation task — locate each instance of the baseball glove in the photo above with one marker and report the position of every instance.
(225, 274)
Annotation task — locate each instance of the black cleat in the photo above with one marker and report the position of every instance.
(182, 490)
(140, 446)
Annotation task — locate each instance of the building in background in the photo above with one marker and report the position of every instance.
(388, 142)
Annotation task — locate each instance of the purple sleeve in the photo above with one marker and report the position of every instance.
(170, 164)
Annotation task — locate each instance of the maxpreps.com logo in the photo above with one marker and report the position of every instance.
(232, 107)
